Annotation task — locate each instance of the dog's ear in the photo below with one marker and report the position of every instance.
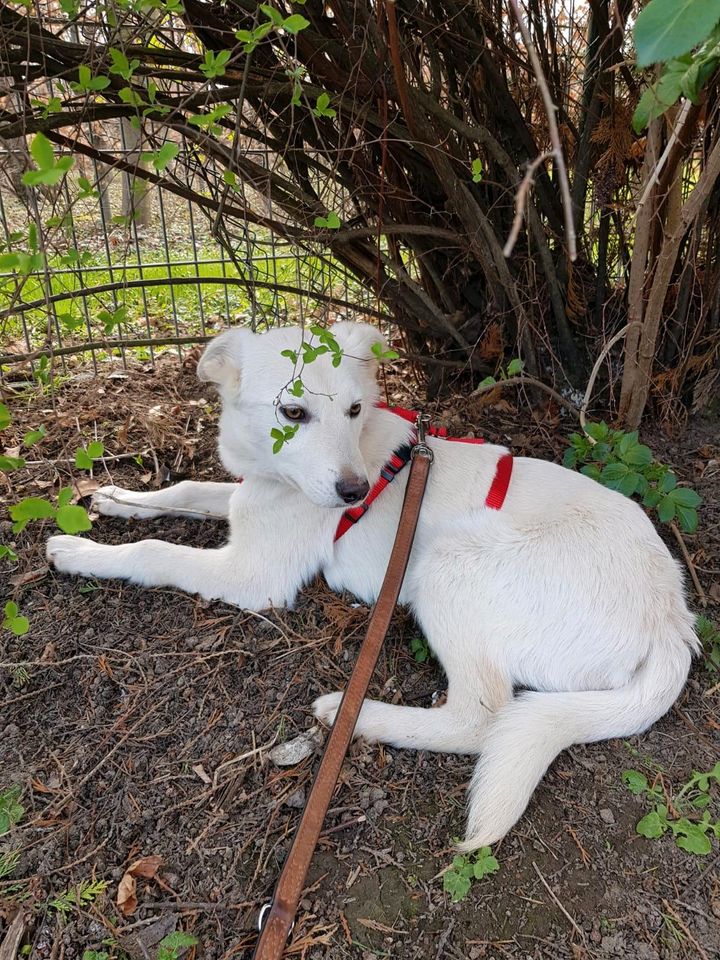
(222, 358)
(358, 339)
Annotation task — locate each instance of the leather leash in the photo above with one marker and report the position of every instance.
(277, 918)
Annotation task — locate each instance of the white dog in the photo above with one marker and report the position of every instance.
(566, 593)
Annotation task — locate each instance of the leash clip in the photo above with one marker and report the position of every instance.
(420, 448)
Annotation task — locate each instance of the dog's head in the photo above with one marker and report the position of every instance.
(322, 458)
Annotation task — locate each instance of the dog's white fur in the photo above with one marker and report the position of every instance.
(567, 594)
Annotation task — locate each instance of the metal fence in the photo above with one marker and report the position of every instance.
(95, 282)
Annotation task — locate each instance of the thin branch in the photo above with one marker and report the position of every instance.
(557, 150)
(23, 307)
(524, 380)
(593, 374)
(520, 198)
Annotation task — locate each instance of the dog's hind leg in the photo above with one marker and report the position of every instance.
(459, 726)
(191, 498)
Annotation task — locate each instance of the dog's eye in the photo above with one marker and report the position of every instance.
(297, 414)
(354, 410)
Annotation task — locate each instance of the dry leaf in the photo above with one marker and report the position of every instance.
(84, 486)
(145, 867)
(200, 771)
(126, 896)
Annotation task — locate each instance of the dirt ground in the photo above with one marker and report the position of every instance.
(137, 724)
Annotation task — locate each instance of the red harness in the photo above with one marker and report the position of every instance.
(494, 499)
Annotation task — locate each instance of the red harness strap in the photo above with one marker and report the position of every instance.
(494, 499)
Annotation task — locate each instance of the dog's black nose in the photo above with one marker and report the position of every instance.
(352, 489)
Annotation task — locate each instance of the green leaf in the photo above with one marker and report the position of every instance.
(73, 519)
(322, 106)
(32, 436)
(457, 885)
(95, 449)
(691, 837)
(666, 509)
(614, 472)
(688, 518)
(5, 418)
(272, 14)
(669, 28)
(651, 826)
(667, 482)
(330, 222)
(32, 508)
(476, 169)
(635, 781)
(42, 151)
(7, 464)
(8, 261)
(485, 863)
(82, 460)
(515, 367)
(169, 946)
(685, 497)
(64, 496)
(295, 23)
(598, 431)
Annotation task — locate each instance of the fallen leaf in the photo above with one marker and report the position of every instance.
(30, 577)
(126, 896)
(145, 867)
(84, 486)
(200, 771)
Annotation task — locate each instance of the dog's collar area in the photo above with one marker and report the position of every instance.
(401, 457)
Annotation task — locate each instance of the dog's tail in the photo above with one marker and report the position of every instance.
(531, 730)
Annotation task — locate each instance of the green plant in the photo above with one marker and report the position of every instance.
(87, 891)
(673, 815)
(619, 461)
(514, 369)
(11, 810)
(458, 878)
(49, 171)
(684, 36)
(13, 621)
(330, 222)
(171, 946)
(84, 456)
(71, 518)
(8, 863)
(95, 955)
(419, 649)
(709, 634)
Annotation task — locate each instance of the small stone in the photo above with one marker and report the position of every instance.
(607, 816)
(292, 752)
(296, 800)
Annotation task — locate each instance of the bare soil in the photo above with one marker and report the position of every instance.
(139, 721)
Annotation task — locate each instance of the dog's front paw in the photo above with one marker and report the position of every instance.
(73, 555)
(325, 708)
(114, 501)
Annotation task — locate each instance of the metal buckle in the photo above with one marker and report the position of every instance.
(264, 910)
(420, 448)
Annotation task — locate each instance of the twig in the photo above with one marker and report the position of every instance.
(662, 160)
(598, 363)
(689, 564)
(11, 943)
(243, 756)
(557, 151)
(520, 197)
(547, 886)
(524, 380)
(685, 929)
